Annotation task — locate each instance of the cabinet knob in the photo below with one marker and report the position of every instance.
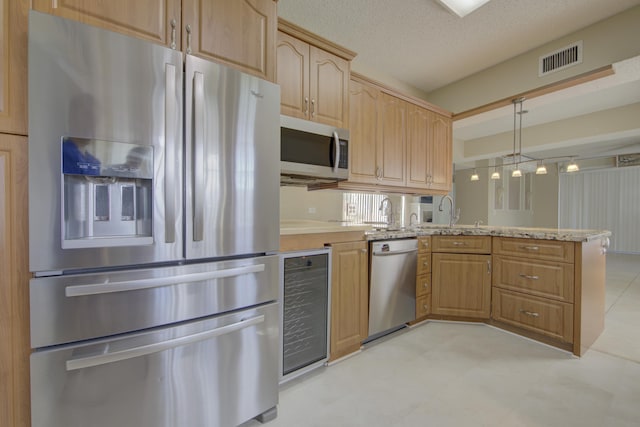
(364, 251)
(188, 28)
(529, 313)
(313, 108)
(173, 33)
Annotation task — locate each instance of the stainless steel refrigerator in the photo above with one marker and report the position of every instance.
(154, 223)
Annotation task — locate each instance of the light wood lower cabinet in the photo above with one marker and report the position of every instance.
(461, 285)
(541, 315)
(349, 298)
(423, 278)
(14, 283)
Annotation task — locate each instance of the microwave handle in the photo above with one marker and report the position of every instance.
(336, 151)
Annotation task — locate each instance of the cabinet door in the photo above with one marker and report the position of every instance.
(14, 282)
(349, 298)
(364, 133)
(13, 66)
(239, 33)
(292, 74)
(417, 141)
(152, 20)
(440, 153)
(328, 88)
(391, 145)
(461, 285)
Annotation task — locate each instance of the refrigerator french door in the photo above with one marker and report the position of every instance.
(154, 197)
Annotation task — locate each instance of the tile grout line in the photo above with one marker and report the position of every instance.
(622, 293)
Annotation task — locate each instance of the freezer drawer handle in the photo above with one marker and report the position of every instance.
(130, 353)
(157, 282)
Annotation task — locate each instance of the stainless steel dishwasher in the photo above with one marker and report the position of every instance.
(392, 293)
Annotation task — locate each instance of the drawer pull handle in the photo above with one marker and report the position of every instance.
(526, 276)
(530, 248)
(529, 313)
(425, 307)
(458, 243)
(425, 264)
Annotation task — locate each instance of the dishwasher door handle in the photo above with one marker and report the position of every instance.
(407, 251)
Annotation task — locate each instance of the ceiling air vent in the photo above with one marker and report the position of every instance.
(629, 160)
(560, 59)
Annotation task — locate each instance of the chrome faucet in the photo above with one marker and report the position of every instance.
(453, 218)
(411, 218)
(386, 207)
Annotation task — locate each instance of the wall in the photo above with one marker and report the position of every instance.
(321, 205)
(545, 198)
(472, 197)
(608, 41)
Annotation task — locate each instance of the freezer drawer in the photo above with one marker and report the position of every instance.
(220, 371)
(66, 309)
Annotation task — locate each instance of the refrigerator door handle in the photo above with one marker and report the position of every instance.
(198, 158)
(170, 157)
(130, 353)
(157, 282)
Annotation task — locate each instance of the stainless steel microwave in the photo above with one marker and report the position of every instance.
(312, 152)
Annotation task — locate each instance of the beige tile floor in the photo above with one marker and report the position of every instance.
(445, 374)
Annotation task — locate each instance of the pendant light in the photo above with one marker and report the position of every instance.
(517, 173)
(541, 169)
(474, 176)
(495, 174)
(572, 166)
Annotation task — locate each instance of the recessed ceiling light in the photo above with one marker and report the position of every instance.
(462, 7)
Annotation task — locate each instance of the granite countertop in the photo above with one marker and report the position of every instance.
(290, 227)
(303, 226)
(568, 235)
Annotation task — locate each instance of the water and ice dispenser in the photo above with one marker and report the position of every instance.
(107, 193)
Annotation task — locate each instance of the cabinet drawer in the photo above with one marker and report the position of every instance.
(423, 305)
(423, 284)
(544, 316)
(424, 244)
(424, 264)
(461, 244)
(551, 250)
(541, 278)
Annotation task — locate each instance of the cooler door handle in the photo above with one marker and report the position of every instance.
(130, 353)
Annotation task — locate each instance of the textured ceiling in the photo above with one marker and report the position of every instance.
(420, 43)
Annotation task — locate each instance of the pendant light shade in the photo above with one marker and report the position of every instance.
(495, 175)
(517, 173)
(572, 166)
(474, 176)
(541, 169)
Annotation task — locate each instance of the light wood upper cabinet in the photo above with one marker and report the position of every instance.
(313, 75)
(363, 132)
(398, 144)
(146, 19)
(240, 33)
(13, 66)
(349, 298)
(392, 143)
(440, 153)
(429, 148)
(377, 136)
